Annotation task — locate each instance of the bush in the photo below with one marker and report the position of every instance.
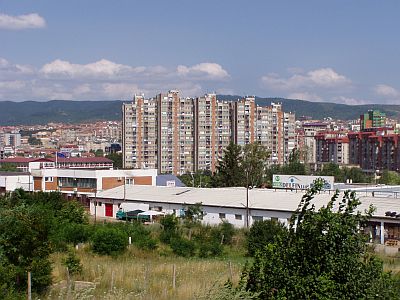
(208, 241)
(182, 247)
(227, 231)
(109, 240)
(73, 263)
(262, 233)
(170, 224)
(69, 233)
(73, 211)
(140, 235)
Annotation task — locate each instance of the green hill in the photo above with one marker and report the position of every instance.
(31, 112)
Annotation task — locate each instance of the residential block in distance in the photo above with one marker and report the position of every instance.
(179, 135)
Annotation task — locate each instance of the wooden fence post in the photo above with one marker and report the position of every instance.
(173, 276)
(29, 286)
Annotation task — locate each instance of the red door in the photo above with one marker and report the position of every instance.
(109, 209)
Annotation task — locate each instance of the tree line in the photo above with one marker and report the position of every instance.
(247, 166)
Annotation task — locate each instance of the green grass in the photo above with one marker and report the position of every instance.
(141, 274)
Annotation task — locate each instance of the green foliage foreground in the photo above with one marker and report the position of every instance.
(322, 255)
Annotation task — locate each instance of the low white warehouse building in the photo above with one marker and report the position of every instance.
(229, 204)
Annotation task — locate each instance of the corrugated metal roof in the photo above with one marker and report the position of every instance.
(264, 199)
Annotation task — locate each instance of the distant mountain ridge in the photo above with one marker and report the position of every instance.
(32, 112)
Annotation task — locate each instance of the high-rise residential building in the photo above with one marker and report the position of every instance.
(311, 129)
(213, 131)
(275, 130)
(332, 147)
(372, 119)
(375, 149)
(139, 136)
(244, 121)
(12, 139)
(179, 135)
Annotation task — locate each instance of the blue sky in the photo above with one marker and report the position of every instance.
(333, 51)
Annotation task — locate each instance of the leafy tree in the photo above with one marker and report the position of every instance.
(208, 241)
(193, 213)
(65, 233)
(73, 263)
(263, 233)
(332, 169)
(294, 165)
(202, 178)
(169, 225)
(183, 247)
(73, 211)
(229, 170)
(8, 167)
(323, 255)
(109, 241)
(116, 158)
(390, 178)
(140, 235)
(34, 141)
(99, 153)
(24, 232)
(254, 164)
(226, 231)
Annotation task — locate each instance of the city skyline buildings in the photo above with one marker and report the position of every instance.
(182, 135)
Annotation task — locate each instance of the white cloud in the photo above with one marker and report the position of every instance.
(304, 96)
(120, 90)
(28, 21)
(12, 85)
(82, 89)
(349, 100)
(319, 78)
(386, 91)
(209, 70)
(104, 79)
(101, 68)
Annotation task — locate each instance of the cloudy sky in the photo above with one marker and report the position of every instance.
(334, 51)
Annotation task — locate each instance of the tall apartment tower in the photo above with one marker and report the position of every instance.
(275, 130)
(244, 121)
(168, 132)
(212, 131)
(186, 135)
(139, 133)
(179, 135)
(289, 134)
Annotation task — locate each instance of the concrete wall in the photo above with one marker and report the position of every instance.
(212, 214)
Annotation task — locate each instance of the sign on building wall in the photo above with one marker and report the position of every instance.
(300, 181)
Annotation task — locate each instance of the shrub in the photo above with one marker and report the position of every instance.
(73, 263)
(262, 233)
(208, 241)
(170, 224)
(227, 232)
(140, 235)
(182, 247)
(109, 240)
(74, 212)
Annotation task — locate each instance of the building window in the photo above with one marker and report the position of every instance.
(274, 219)
(48, 179)
(222, 216)
(129, 181)
(99, 203)
(238, 217)
(257, 218)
